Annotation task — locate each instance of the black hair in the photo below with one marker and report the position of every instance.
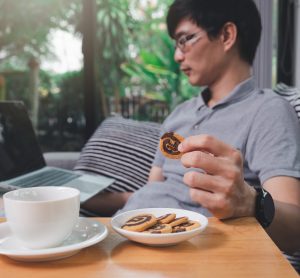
(212, 15)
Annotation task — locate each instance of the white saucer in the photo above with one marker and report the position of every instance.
(85, 233)
(159, 239)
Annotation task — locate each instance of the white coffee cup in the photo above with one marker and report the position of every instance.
(42, 217)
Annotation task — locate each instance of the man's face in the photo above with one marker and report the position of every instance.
(201, 59)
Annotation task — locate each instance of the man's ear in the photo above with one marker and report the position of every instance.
(228, 35)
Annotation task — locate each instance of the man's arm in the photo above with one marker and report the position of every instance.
(156, 174)
(106, 204)
(224, 192)
(285, 228)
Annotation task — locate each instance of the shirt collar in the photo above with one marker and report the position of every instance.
(241, 91)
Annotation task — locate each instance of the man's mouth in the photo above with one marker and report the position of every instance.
(187, 71)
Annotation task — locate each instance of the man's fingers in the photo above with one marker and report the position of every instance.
(204, 198)
(213, 202)
(202, 181)
(208, 163)
(208, 143)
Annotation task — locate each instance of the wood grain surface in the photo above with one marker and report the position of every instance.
(233, 248)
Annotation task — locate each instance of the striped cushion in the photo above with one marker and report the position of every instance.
(122, 149)
(291, 94)
(294, 260)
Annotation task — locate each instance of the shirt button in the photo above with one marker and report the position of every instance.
(196, 127)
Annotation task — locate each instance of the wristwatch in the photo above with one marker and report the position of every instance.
(264, 207)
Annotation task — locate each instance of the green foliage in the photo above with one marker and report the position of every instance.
(114, 25)
(156, 71)
(135, 55)
(17, 84)
(135, 52)
(61, 112)
(153, 71)
(63, 95)
(25, 25)
(61, 117)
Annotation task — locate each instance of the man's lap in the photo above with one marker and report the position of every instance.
(162, 195)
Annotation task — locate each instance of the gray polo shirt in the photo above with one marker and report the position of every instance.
(261, 124)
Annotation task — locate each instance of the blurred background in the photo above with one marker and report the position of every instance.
(75, 62)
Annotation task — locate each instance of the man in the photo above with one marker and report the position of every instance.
(238, 138)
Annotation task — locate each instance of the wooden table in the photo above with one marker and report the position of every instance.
(235, 248)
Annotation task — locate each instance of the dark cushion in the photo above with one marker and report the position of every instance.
(122, 149)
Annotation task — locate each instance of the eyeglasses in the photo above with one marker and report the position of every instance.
(185, 42)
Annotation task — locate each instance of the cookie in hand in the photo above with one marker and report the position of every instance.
(169, 143)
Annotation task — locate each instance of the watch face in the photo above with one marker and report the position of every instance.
(265, 209)
(269, 209)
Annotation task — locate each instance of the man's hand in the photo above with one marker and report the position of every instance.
(221, 187)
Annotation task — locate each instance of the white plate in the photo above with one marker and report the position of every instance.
(158, 239)
(85, 233)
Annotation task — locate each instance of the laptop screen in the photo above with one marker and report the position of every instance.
(19, 149)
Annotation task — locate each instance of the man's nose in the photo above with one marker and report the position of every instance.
(178, 55)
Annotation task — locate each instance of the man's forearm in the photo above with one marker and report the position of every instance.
(106, 203)
(285, 228)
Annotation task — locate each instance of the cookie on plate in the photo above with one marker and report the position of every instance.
(167, 218)
(178, 221)
(169, 143)
(190, 225)
(159, 229)
(140, 223)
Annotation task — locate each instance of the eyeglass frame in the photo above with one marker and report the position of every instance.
(191, 39)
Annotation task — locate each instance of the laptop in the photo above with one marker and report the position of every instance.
(22, 163)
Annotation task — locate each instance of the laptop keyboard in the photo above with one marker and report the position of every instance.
(50, 177)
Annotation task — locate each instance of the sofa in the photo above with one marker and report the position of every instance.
(124, 150)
